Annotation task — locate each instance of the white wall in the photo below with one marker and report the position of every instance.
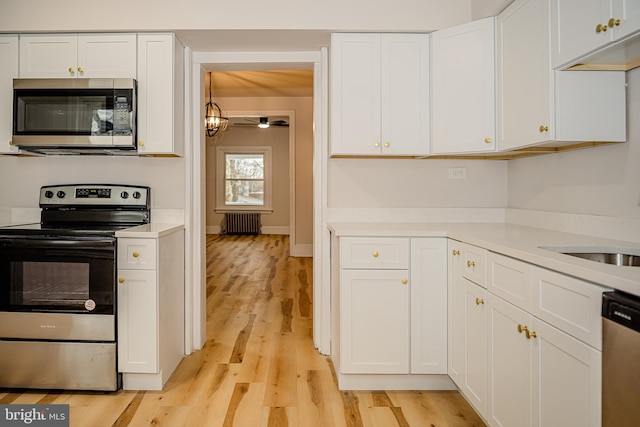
(596, 181)
(23, 176)
(408, 183)
(275, 137)
(70, 15)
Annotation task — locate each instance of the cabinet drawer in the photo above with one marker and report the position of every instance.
(137, 254)
(510, 279)
(571, 305)
(376, 253)
(475, 264)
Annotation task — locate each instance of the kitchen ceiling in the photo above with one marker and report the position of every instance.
(262, 83)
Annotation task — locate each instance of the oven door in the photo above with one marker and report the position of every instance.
(64, 274)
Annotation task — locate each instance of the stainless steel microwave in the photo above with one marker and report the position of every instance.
(75, 116)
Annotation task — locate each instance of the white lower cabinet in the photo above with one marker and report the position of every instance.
(525, 351)
(467, 318)
(375, 321)
(510, 365)
(392, 315)
(474, 383)
(538, 375)
(428, 292)
(150, 309)
(566, 379)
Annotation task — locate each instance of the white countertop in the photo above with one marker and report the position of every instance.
(151, 231)
(518, 242)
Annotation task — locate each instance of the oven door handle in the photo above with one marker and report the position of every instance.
(57, 243)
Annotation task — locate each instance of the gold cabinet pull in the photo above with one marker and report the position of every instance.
(135, 254)
(601, 28)
(405, 281)
(80, 70)
(377, 144)
(375, 254)
(387, 144)
(141, 143)
(543, 128)
(531, 334)
(10, 142)
(456, 252)
(479, 301)
(71, 70)
(614, 22)
(487, 140)
(471, 264)
(521, 329)
(121, 280)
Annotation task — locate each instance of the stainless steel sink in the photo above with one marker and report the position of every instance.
(624, 257)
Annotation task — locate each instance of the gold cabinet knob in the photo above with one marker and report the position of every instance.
(543, 128)
(375, 254)
(10, 142)
(71, 70)
(521, 329)
(601, 28)
(405, 281)
(531, 334)
(135, 254)
(387, 144)
(487, 140)
(456, 252)
(377, 144)
(121, 280)
(80, 70)
(479, 301)
(471, 264)
(613, 22)
(141, 143)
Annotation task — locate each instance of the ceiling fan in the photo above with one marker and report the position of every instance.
(262, 122)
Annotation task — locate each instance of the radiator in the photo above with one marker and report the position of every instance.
(241, 223)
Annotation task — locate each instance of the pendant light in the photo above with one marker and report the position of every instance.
(214, 118)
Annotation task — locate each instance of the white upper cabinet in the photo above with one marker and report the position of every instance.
(380, 94)
(78, 55)
(463, 88)
(537, 106)
(160, 95)
(583, 26)
(8, 71)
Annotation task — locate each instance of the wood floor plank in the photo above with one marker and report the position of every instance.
(239, 348)
(281, 386)
(258, 366)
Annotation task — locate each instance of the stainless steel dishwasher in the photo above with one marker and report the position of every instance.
(620, 360)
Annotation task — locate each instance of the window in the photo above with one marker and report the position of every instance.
(243, 178)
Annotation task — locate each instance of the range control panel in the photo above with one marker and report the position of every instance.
(95, 194)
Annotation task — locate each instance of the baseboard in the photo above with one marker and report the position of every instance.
(303, 250)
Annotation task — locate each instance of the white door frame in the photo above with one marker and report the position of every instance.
(195, 200)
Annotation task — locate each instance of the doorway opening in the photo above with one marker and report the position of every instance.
(204, 62)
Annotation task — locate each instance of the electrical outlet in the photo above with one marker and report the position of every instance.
(457, 173)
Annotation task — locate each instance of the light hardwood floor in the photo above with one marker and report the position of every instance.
(258, 366)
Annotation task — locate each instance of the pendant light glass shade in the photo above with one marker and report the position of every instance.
(214, 117)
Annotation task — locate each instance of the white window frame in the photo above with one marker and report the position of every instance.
(221, 154)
